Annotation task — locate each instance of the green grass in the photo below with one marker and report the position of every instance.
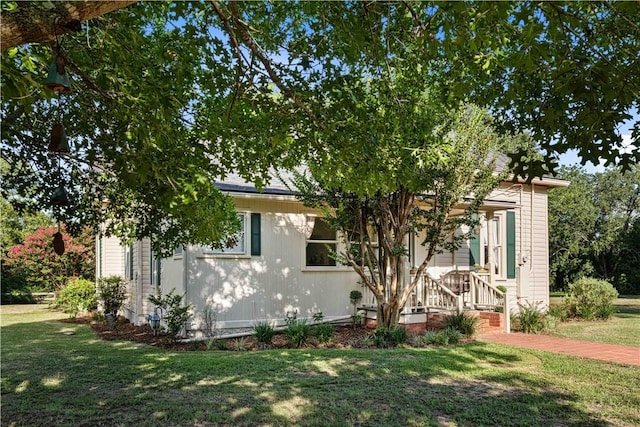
(623, 328)
(60, 374)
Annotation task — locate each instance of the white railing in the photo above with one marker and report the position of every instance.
(428, 294)
(438, 296)
(482, 294)
(470, 290)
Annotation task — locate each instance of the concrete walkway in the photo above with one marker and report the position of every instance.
(590, 350)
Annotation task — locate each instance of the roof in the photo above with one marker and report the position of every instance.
(234, 183)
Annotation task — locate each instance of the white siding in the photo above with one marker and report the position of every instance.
(246, 289)
(110, 260)
(531, 221)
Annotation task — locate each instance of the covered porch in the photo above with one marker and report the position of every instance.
(470, 286)
(454, 292)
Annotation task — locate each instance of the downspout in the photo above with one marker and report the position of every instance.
(531, 229)
(140, 282)
(185, 274)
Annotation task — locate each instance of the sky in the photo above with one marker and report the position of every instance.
(571, 158)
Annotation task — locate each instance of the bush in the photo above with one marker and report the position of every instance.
(355, 297)
(450, 336)
(264, 333)
(590, 298)
(112, 292)
(447, 336)
(174, 313)
(79, 296)
(559, 311)
(466, 324)
(389, 337)
(324, 332)
(297, 331)
(531, 319)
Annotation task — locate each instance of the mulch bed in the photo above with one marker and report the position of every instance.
(123, 330)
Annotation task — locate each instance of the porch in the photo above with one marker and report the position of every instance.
(453, 292)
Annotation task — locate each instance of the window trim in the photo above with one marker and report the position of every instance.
(129, 267)
(178, 252)
(207, 252)
(339, 242)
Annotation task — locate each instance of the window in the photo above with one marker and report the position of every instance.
(177, 252)
(496, 242)
(128, 262)
(497, 246)
(503, 240)
(321, 243)
(235, 245)
(154, 273)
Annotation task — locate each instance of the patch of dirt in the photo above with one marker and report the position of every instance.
(123, 330)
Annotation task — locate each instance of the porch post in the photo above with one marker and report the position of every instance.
(507, 314)
(490, 245)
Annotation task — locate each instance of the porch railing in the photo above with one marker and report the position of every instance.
(437, 296)
(475, 293)
(482, 294)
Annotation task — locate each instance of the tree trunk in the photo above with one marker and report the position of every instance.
(37, 22)
(388, 313)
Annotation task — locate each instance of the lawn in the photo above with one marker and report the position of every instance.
(57, 373)
(622, 328)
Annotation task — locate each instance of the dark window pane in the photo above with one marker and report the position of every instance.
(318, 254)
(322, 231)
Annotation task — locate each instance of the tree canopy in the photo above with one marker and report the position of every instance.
(594, 228)
(415, 168)
(169, 97)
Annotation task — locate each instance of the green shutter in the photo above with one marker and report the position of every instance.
(255, 234)
(130, 255)
(474, 249)
(511, 245)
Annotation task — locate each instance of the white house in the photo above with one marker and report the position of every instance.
(280, 263)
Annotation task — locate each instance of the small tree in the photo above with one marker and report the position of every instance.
(418, 165)
(174, 313)
(112, 292)
(355, 297)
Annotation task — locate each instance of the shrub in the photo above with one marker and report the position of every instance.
(467, 324)
(209, 323)
(531, 319)
(559, 311)
(355, 297)
(591, 298)
(356, 320)
(429, 337)
(112, 292)
(447, 336)
(79, 296)
(550, 323)
(450, 336)
(297, 332)
(264, 333)
(174, 313)
(240, 344)
(389, 337)
(324, 332)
